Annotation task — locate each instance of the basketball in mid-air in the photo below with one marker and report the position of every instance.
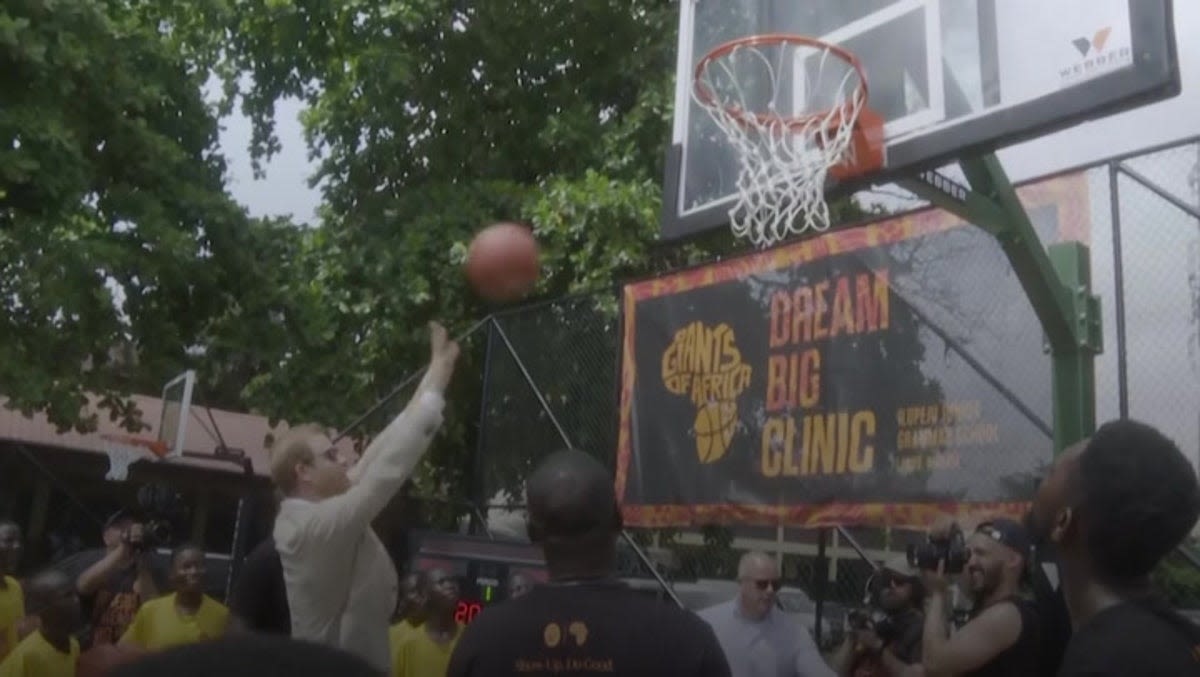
(503, 262)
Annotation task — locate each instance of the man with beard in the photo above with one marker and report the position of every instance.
(891, 647)
(119, 580)
(340, 580)
(1113, 508)
(1000, 640)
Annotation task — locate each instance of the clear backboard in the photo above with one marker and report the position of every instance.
(948, 77)
(177, 402)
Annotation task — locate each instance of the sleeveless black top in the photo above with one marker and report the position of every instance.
(1020, 659)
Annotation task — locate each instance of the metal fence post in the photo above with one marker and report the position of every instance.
(1114, 197)
(477, 480)
(820, 581)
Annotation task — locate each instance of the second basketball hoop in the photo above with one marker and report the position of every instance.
(796, 111)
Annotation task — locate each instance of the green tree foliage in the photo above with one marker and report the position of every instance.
(120, 250)
(430, 119)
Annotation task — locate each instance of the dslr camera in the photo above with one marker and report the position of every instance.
(869, 619)
(159, 508)
(951, 549)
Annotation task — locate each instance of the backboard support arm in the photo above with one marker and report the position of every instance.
(1056, 279)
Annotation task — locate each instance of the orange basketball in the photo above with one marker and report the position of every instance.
(503, 262)
(103, 659)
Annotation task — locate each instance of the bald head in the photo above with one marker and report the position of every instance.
(571, 499)
(51, 596)
(758, 584)
(757, 564)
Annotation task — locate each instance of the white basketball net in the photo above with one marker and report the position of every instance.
(789, 109)
(120, 457)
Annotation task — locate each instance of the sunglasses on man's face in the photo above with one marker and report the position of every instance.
(764, 583)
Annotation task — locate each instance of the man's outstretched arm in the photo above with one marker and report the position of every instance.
(395, 452)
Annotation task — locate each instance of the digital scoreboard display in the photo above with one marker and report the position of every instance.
(482, 566)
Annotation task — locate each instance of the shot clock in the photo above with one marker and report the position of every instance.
(483, 566)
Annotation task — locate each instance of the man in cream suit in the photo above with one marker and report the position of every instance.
(341, 584)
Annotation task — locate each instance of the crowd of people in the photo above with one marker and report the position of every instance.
(322, 595)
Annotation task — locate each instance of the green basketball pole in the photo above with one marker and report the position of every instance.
(1057, 281)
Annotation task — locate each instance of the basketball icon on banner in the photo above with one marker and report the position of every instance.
(704, 364)
(715, 424)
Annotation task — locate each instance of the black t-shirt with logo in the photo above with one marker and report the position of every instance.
(588, 628)
(1143, 638)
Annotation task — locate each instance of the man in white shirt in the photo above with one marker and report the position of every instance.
(341, 583)
(758, 639)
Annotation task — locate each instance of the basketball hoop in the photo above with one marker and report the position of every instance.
(125, 450)
(785, 160)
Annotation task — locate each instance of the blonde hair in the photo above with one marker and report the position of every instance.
(290, 450)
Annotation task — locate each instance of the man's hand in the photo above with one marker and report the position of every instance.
(942, 528)
(443, 355)
(936, 582)
(868, 640)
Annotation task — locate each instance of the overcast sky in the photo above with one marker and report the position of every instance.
(1163, 390)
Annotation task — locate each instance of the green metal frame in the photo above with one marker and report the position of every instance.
(1056, 279)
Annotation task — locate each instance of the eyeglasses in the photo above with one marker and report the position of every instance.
(893, 581)
(773, 583)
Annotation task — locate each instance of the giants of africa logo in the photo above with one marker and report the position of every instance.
(704, 364)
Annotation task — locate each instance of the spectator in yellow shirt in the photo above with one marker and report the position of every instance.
(411, 610)
(425, 652)
(12, 600)
(49, 650)
(185, 617)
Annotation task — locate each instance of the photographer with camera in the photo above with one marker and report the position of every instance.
(885, 638)
(1000, 639)
(119, 581)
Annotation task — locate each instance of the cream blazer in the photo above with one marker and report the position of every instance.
(341, 584)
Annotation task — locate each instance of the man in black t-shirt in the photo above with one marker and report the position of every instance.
(584, 621)
(259, 602)
(1114, 506)
(1000, 640)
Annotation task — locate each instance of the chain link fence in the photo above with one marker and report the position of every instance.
(551, 374)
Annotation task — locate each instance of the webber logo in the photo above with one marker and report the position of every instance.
(1098, 54)
(1097, 42)
(704, 364)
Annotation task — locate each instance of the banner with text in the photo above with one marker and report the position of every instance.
(881, 375)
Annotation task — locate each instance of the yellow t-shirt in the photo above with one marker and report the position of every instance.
(12, 610)
(419, 656)
(396, 635)
(159, 625)
(35, 657)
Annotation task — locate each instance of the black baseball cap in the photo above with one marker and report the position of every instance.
(1009, 533)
